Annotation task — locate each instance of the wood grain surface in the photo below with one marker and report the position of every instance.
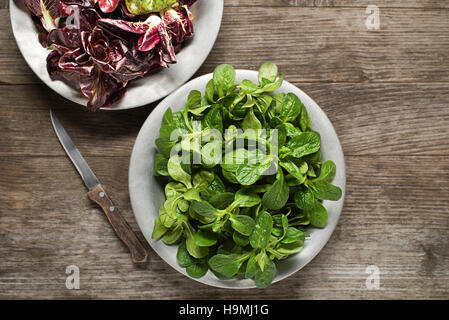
(386, 93)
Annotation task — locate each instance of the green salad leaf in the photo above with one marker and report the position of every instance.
(243, 177)
(146, 6)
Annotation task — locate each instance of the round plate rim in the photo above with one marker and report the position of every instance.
(341, 170)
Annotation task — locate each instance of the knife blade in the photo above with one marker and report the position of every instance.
(98, 194)
(89, 178)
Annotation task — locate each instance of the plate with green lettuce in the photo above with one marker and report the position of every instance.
(237, 179)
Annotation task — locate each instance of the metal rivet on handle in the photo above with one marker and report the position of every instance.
(112, 208)
(101, 194)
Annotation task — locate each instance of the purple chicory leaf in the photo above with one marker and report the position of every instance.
(55, 72)
(70, 35)
(65, 37)
(131, 71)
(148, 41)
(179, 23)
(188, 3)
(69, 67)
(48, 11)
(108, 6)
(81, 3)
(42, 33)
(152, 32)
(76, 61)
(88, 19)
(156, 36)
(161, 58)
(123, 25)
(75, 68)
(167, 50)
(66, 9)
(108, 55)
(114, 57)
(123, 12)
(153, 35)
(137, 65)
(101, 89)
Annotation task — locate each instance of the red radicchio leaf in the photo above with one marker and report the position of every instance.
(69, 65)
(108, 55)
(88, 19)
(131, 70)
(167, 45)
(123, 25)
(101, 89)
(69, 77)
(48, 11)
(65, 9)
(179, 23)
(66, 37)
(152, 33)
(187, 2)
(76, 69)
(124, 12)
(69, 36)
(108, 6)
(42, 33)
(81, 3)
(76, 61)
(148, 41)
(137, 64)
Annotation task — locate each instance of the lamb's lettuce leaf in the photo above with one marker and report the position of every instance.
(146, 6)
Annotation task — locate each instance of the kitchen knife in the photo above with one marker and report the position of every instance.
(98, 194)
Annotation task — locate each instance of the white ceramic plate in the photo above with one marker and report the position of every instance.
(207, 20)
(147, 195)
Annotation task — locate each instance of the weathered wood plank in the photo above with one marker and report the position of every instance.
(333, 45)
(395, 216)
(370, 119)
(25, 116)
(311, 45)
(386, 93)
(341, 3)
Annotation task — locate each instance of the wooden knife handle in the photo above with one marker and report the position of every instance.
(121, 227)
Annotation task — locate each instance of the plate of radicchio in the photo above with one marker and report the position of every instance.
(115, 54)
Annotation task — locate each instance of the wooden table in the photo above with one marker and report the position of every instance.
(386, 92)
